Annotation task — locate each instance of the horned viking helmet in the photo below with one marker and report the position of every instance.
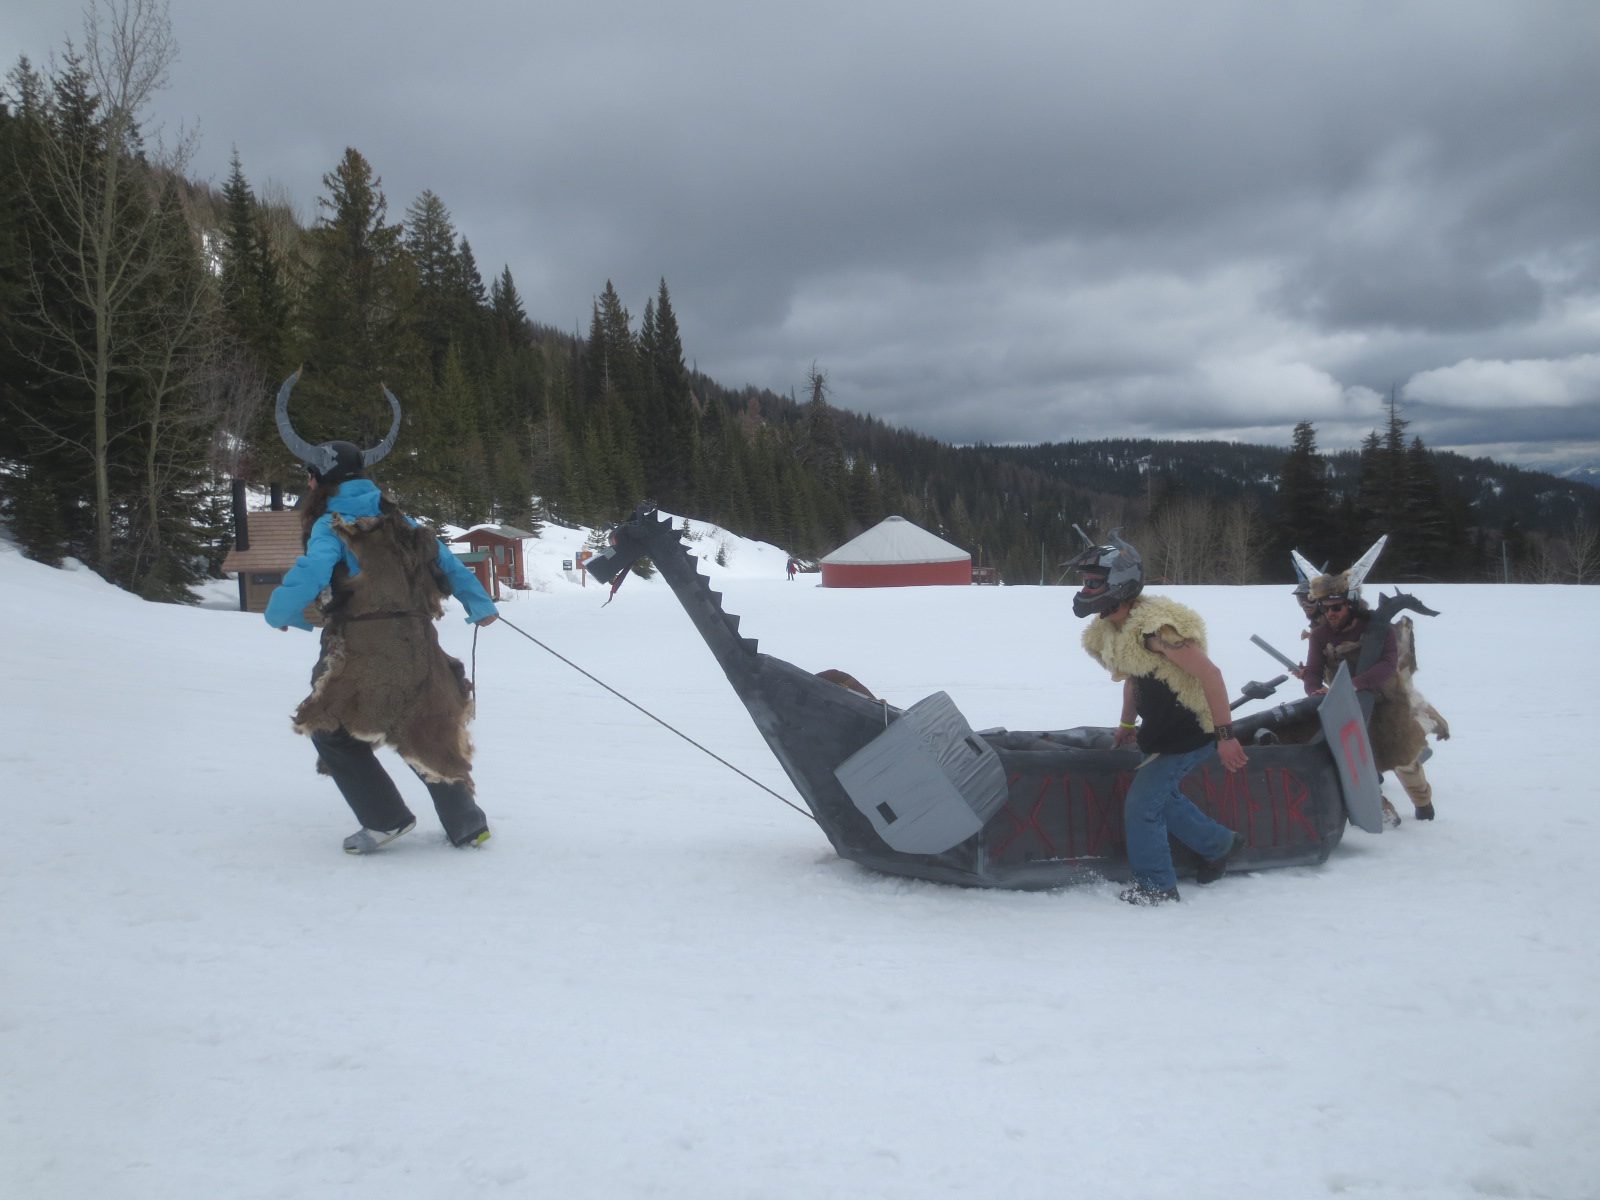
(1304, 573)
(1347, 583)
(332, 462)
(1112, 575)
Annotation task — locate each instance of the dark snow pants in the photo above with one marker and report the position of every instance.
(372, 796)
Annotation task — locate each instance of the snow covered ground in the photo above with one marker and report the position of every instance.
(657, 981)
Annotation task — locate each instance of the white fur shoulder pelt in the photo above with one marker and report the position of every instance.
(1123, 652)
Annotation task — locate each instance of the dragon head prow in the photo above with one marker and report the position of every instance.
(640, 536)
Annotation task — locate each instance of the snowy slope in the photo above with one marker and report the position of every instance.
(658, 981)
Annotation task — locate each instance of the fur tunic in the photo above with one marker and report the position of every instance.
(1397, 735)
(1123, 652)
(383, 675)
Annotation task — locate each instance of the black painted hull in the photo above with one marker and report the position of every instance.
(1061, 821)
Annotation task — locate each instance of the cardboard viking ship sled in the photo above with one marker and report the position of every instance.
(917, 792)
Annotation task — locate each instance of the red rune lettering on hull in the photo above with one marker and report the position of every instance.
(1103, 822)
(1072, 816)
(1085, 812)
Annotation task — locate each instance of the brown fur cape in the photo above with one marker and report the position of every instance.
(1397, 734)
(382, 674)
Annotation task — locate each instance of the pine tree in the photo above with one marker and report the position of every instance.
(865, 501)
(1368, 507)
(1427, 554)
(360, 311)
(1304, 510)
(430, 240)
(471, 321)
(511, 322)
(821, 450)
(611, 396)
(39, 493)
(669, 427)
(255, 312)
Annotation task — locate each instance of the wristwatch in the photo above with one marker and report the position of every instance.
(1224, 734)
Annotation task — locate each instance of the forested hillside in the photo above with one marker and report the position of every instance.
(148, 321)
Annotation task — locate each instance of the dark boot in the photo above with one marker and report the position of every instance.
(1425, 813)
(1148, 897)
(463, 821)
(1213, 869)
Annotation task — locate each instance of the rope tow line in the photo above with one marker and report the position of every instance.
(653, 717)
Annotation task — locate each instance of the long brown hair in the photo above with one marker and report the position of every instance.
(313, 503)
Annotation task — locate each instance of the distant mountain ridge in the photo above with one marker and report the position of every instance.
(1497, 495)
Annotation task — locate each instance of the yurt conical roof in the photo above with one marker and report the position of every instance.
(896, 540)
(896, 553)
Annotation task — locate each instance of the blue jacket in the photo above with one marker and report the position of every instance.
(313, 570)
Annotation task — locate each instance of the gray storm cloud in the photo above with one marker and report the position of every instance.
(1006, 222)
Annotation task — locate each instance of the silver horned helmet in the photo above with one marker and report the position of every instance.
(1347, 583)
(1304, 573)
(1112, 575)
(332, 462)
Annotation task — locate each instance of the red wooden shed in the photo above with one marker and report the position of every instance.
(502, 557)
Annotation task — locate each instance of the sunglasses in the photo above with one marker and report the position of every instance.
(1094, 583)
(1334, 606)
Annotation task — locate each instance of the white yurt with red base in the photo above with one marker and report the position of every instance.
(896, 553)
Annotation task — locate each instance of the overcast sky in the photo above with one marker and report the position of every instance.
(1011, 221)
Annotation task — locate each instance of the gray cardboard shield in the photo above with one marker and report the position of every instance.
(1346, 730)
(927, 782)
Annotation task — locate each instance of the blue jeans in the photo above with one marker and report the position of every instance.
(1155, 807)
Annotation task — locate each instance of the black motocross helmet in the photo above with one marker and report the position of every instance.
(347, 464)
(1112, 574)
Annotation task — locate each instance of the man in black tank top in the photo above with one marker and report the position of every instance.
(1174, 705)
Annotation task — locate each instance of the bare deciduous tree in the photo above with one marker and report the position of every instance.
(98, 216)
(1242, 539)
(1583, 549)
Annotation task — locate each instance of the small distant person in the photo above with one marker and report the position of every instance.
(791, 568)
(1174, 705)
(1396, 727)
(375, 580)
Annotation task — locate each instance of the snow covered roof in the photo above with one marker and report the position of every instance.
(896, 540)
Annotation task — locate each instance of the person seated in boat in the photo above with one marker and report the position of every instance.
(1396, 727)
(1174, 706)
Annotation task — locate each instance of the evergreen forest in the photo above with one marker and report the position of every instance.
(148, 319)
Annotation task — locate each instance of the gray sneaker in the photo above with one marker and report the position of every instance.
(365, 841)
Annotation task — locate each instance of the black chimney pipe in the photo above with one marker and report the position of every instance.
(241, 534)
(241, 517)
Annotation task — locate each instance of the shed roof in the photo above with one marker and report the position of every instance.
(506, 531)
(896, 540)
(274, 543)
